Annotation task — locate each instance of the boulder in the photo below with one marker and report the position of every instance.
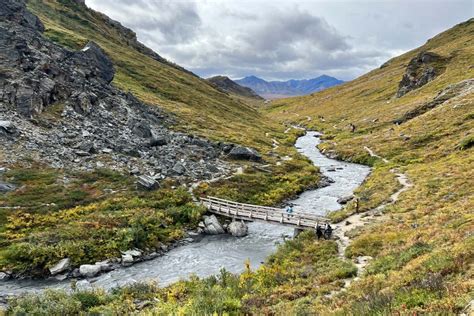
(244, 153)
(238, 229)
(97, 58)
(178, 169)
(127, 260)
(134, 253)
(158, 141)
(6, 187)
(147, 183)
(142, 129)
(7, 127)
(61, 266)
(90, 270)
(4, 276)
(212, 226)
(345, 199)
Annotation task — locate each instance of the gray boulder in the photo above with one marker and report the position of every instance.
(90, 270)
(238, 229)
(133, 253)
(147, 183)
(127, 260)
(95, 57)
(245, 153)
(158, 141)
(6, 187)
(212, 226)
(61, 266)
(4, 276)
(345, 199)
(7, 127)
(178, 169)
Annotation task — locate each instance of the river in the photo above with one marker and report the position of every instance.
(212, 253)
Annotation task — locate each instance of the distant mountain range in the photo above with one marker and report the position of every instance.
(282, 89)
(227, 85)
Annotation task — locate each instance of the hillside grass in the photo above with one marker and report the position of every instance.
(423, 253)
(91, 217)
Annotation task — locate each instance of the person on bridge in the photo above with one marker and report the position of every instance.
(289, 210)
(327, 231)
(319, 232)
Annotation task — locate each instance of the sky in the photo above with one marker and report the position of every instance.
(284, 39)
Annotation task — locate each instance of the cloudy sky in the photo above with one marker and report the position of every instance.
(284, 39)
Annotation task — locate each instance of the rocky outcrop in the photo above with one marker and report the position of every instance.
(60, 107)
(245, 153)
(237, 229)
(459, 89)
(422, 69)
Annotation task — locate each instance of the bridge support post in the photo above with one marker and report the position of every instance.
(297, 231)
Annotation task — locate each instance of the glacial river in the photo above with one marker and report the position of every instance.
(212, 253)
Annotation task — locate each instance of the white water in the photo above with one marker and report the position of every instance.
(212, 253)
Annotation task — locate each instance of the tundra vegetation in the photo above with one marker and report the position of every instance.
(422, 253)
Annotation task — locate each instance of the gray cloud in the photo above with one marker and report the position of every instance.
(284, 39)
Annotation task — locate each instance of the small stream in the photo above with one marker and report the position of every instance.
(212, 253)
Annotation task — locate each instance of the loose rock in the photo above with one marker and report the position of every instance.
(90, 270)
(238, 229)
(61, 266)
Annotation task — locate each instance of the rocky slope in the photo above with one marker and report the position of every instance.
(199, 108)
(58, 106)
(280, 89)
(227, 85)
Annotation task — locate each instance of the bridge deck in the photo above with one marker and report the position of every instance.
(271, 215)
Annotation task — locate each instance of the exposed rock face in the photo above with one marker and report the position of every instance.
(59, 107)
(459, 89)
(421, 70)
(244, 153)
(238, 229)
(212, 226)
(61, 266)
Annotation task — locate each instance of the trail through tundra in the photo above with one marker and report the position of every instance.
(361, 219)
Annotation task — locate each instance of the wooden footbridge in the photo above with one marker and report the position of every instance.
(248, 212)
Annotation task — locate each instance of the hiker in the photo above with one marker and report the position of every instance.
(357, 205)
(327, 231)
(289, 210)
(352, 127)
(319, 232)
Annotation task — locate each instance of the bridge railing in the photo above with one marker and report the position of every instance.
(243, 210)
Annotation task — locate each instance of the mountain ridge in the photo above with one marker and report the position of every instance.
(292, 87)
(227, 85)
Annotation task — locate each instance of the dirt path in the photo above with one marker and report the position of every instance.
(361, 219)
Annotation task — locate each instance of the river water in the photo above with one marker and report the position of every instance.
(212, 253)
